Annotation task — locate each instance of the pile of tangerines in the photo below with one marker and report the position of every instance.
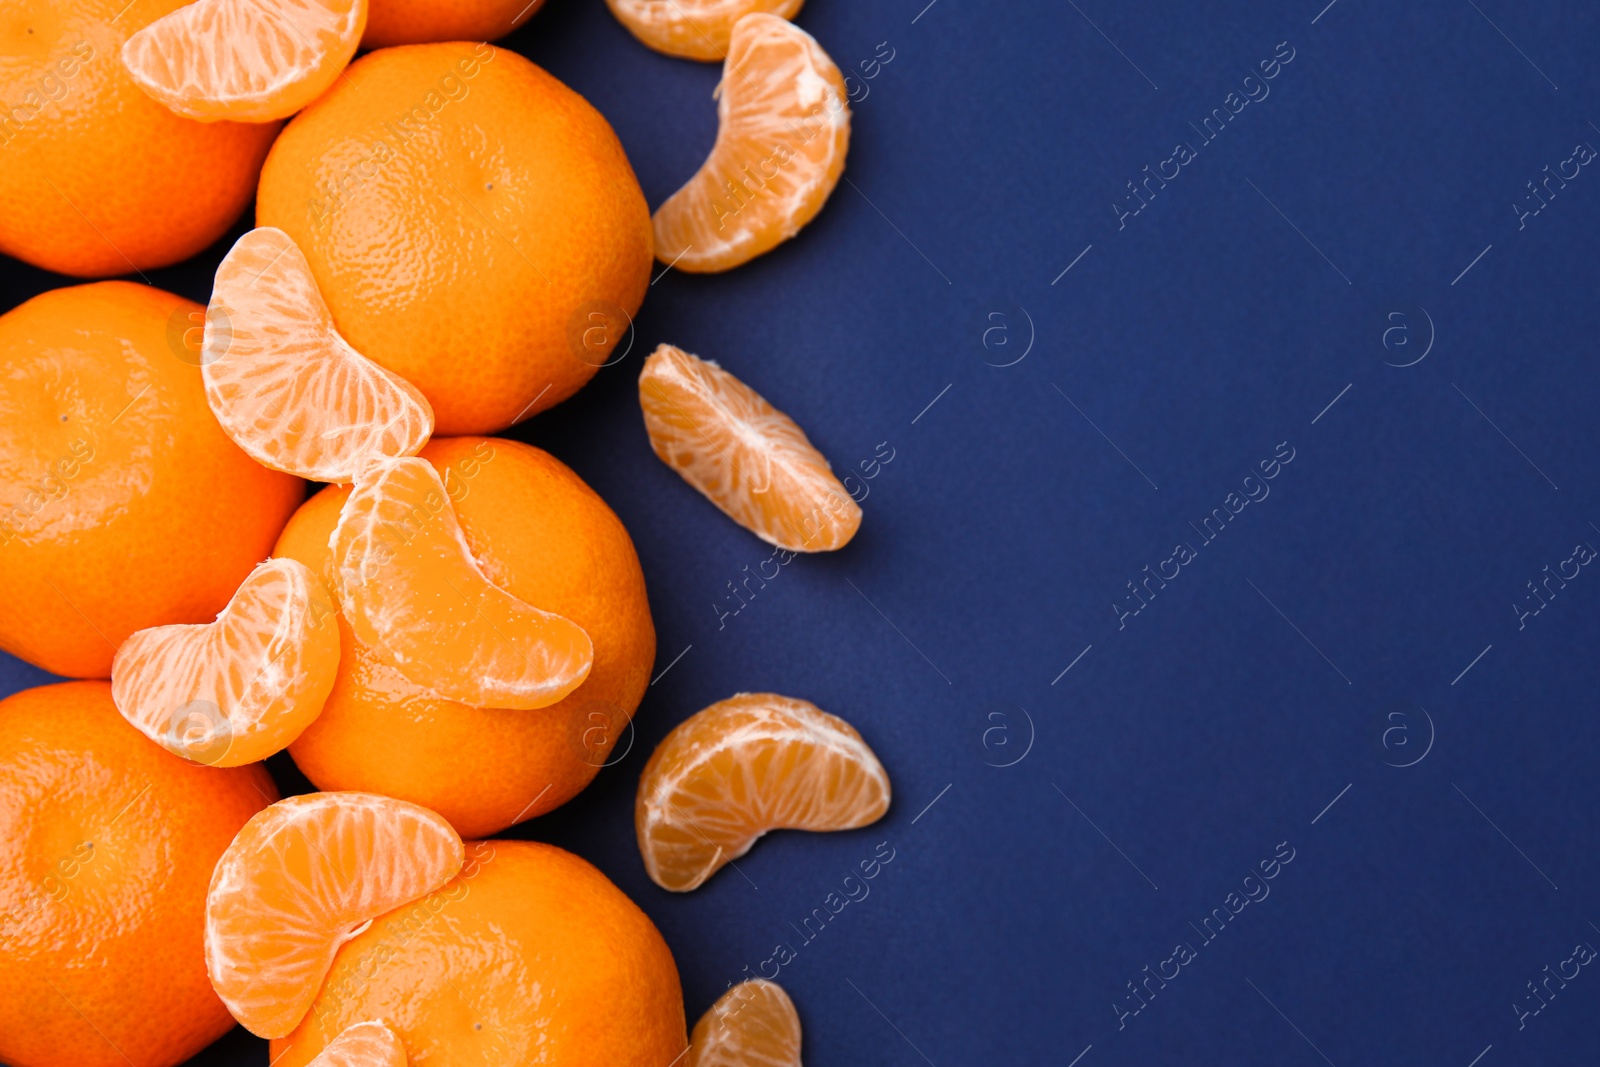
(448, 241)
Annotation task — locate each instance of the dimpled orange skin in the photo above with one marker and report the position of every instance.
(530, 956)
(464, 213)
(122, 503)
(106, 849)
(543, 535)
(96, 177)
(392, 22)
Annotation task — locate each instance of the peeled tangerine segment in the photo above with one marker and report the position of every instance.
(783, 130)
(245, 60)
(236, 690)
(692, 29)
(282, 382)
(754, 1024)
(747, 457)
(364, 1045)
(752, 763)
(304, 876)
(411, 590)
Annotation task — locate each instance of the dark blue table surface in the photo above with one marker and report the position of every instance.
(1350, 273)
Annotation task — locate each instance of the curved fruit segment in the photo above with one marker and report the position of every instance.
(744, 455)
(411, 590)
(363, 1045)
(754, 1024)
(237, 690)
(304, 876)
(282, 382)
(692, 29)
(783, 130)
(245, 60)
(752, 763)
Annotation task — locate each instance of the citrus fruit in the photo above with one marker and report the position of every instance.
(283, 383)
(303, 877)
(245, 60)
(472, 223)
(239, 689)
(122, 504)
(369, 1044)
(392, 22)
(98, 178)
(754, 1024)
(106, 848)
(783, 127)
(744, 455)
(537, 531)
(693, 29)
(413, 593)
(530, 956)
(752, 763)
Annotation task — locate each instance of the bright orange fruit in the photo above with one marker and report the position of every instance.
(473, 224)
(237, 690)
(392, 22)
(369, 1044)
(782, 134)
(744, 455)
(106, 849)
(754, 1024)
(245, 60)
(752, 763)
(302, 878)
(96, 177)
(412, 592)
(539, 532)
(529, 956)
(122, 504)
(283, 383)
(693, 29)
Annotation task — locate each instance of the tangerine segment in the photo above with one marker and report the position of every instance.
(245, 60)
(370, 1044)
(302, 878)
(282, 382)
(783, 130)
(236, 690)
(752, 763)
(754, 1024)
(744, 455)
(411, 590)
(692, 29)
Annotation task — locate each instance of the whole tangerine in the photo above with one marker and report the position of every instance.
(473, 224)
(123, 505)
(97, 178)
(106, 848)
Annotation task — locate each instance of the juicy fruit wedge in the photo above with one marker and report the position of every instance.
(235, 691)
(282, 382)
(245, 60)
(692, 29)
(363, 1045)
(752, 763)
(303, 877)
(754, 1024)
(783, 130)
(411, 590)
(744, 455)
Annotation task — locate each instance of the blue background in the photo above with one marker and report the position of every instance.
(1359, 617)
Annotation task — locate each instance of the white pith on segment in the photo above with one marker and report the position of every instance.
(339, 860)
(783, 101)
(284, 384)
(706, 796)
(746, 457)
